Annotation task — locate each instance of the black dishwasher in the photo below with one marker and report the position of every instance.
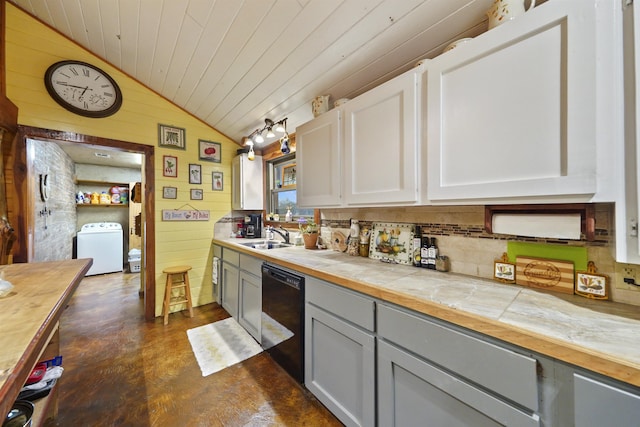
(283, 318)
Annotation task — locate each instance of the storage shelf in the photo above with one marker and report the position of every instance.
(114, 205)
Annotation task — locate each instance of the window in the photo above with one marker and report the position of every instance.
(281, 182)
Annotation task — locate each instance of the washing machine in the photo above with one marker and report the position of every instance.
(101, 241)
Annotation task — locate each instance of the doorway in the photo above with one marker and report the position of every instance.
(22, 207)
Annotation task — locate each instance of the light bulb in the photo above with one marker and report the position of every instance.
(259, 138)
(251, 155)
(270, 133)
(279, 128)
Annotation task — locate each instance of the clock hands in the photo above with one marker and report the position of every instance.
(77, 87)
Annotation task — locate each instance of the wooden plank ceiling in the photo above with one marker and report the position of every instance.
(233, 63)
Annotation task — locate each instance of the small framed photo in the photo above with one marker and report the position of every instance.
(590, 284)
(171, 137)
(195, 174)
(289, 176)
(217, 183)
(170, 166)
(503, 270)
(196, 194)
(210, 151)
(169, 193)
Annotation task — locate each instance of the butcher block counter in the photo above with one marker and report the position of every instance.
(601, 336)
(29, 316)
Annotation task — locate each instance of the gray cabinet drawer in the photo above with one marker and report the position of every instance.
(413, 392)
(232, 257)
(217, 251)
(341, 302)
(503, 371)
(600, 404)
(251, 264)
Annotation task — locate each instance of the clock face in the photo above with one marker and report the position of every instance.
(83, 89)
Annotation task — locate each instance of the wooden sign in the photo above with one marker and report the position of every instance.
(592, 285)
(184, 215)
(540, 273)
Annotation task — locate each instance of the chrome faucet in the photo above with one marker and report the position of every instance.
(284, 233)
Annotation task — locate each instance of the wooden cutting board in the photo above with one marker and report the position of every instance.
(541, 273)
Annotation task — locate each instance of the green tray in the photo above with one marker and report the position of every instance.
(578, 255)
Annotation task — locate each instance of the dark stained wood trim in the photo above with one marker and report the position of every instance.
(19, 192)
(587, 214)
(3, 40)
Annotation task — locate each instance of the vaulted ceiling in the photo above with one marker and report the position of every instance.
(233, 63)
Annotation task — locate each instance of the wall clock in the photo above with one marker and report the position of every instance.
(83, 89)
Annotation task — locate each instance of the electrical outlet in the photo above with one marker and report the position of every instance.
(627, 277)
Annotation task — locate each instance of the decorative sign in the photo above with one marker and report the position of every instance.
(553, 275)
(184, 215)
(503, 270)
(391, 243)
(592, 285)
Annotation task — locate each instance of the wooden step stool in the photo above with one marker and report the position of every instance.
(177, 277)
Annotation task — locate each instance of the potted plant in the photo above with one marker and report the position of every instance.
(309, 231)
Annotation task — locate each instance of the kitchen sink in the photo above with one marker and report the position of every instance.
(266, 244)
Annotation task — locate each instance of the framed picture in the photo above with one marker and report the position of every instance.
(590, 284)
(171, 137)
(195, 174)
(217, 184)
(289, 176)
(169, 193)
(196, 194)
(170, 166)
(209, 151)
(391, 242)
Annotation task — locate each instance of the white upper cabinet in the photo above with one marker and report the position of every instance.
(318, 155)
(512, 115)
(364, 153)
(381, 144)
(247, 183)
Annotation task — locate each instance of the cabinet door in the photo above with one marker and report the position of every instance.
(513, 112)
(230, 280)
(319, 160)
(599, 404)
(247, 183)
(412, 392)
(250, 304)
(340, 367)
(381, 144)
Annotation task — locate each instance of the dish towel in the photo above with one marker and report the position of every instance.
(214, 272)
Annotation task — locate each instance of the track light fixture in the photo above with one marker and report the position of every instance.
(271, 127)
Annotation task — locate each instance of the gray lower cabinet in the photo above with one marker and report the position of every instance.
(340, 351)
(250, 295)
(230, 281)
(430, 374)
(598, 404)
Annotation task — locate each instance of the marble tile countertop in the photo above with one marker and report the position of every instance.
(601, 336)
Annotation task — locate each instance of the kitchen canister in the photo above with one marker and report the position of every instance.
(320, 105)
(505, 10)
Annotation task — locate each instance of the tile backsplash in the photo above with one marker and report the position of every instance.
(460, 235)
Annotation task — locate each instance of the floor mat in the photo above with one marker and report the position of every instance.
(221, 344)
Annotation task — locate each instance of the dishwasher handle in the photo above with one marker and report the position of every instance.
(283, 276)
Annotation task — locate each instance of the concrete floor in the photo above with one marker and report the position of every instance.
(123, 371)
